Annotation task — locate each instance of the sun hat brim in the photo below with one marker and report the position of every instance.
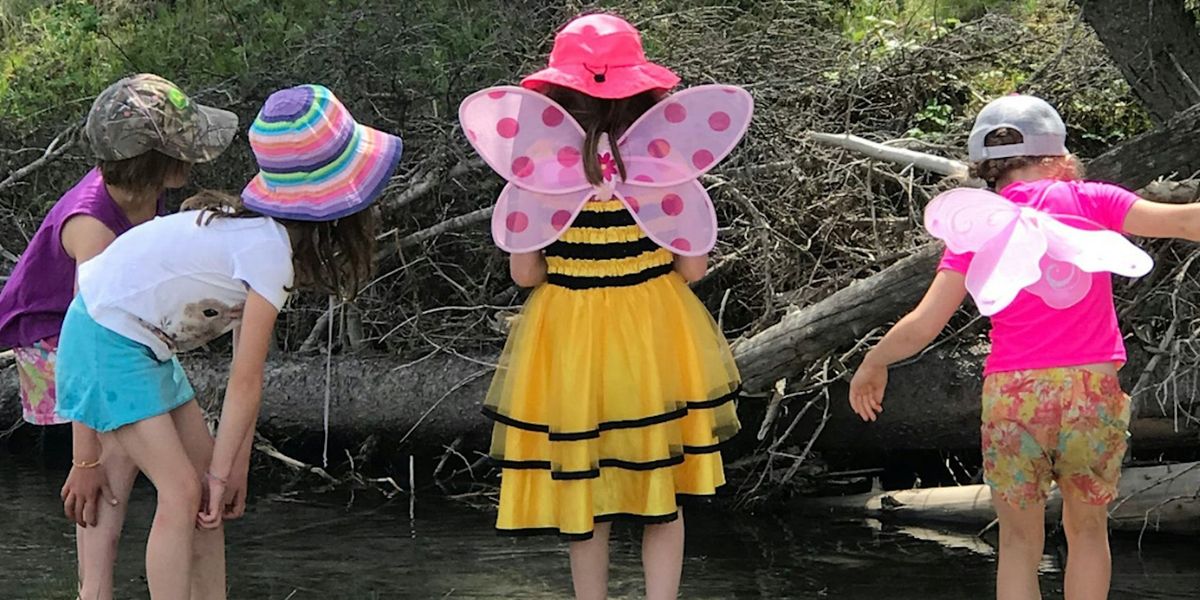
(348, 185)
(618, 82)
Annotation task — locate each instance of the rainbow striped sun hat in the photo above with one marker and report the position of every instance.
(315, 162)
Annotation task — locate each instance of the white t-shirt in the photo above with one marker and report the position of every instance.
(175, 285)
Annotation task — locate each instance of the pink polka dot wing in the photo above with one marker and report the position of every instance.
(668, 149)
(535, 145)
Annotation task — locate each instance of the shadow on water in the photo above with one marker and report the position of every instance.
(317, 548)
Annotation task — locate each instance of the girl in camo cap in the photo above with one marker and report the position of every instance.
(146, 134)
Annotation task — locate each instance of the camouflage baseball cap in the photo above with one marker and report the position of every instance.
(146, 112)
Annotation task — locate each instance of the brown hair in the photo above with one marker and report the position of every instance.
(992, 170)
(600, 115)
(332, 257)
(148, 171)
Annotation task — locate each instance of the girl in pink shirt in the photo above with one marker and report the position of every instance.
(1053, 409)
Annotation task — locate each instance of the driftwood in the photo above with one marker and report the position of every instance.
(1159, 498)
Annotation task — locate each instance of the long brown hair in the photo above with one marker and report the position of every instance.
(332, 257)
(1061, 167)
(600, 115)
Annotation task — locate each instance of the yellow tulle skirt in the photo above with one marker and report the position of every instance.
(610, 403)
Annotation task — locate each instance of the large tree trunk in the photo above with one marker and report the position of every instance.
(1168, 150)
(1156, 45)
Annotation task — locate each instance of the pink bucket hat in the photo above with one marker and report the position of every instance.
(601, 55)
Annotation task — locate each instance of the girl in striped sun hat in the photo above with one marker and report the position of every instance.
(222, 265)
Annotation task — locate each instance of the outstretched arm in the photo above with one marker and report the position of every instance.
(1159, 220)
(907, 337)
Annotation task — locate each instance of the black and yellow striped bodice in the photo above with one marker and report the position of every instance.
(604, 247)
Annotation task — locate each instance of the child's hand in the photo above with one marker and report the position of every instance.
(235, 493)
(866, 390)
(81, 494)
(213, 502)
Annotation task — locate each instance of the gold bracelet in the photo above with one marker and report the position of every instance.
(83, 464)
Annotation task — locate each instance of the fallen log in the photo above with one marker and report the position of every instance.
(1159, 498)
(811, 332)
(427, 404)
(932, 404)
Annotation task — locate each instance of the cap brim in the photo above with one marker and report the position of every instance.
(213, 130)
(618, 82)
(327, 195)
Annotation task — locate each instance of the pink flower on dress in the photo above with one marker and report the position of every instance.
(608, 166)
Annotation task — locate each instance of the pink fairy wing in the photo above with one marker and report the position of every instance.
(526, 137)
(1075, 249)
(525, 220)
(967, 218)
(1093, 248)
(685, 134)
(679, 218)
(1062, 284)
(1004, 265)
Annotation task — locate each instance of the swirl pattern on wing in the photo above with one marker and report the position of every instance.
(967, 219)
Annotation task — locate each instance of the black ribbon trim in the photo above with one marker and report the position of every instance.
(587, 535)
(604, 251)
(603, 219)
(586, 283)
(573, 436)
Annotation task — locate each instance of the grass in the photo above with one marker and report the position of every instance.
(57, 55)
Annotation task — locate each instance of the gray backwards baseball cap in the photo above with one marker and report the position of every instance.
(1042, 129)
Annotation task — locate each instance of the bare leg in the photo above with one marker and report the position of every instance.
(662, 559)
(589, 565)
(155, 447)
(1089, 564)
(208, 568)
(1022, 541)
(97, 545)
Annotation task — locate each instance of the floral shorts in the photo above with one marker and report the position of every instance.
(35, 373)
(1068, 425)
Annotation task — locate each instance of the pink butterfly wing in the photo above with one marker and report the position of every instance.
(685, 134)
(1004, 265)
(679, 218)
(525, 220)
(967, 218)
(1093, 248)
(1062, 284)
(1076, 249)
(525, 137)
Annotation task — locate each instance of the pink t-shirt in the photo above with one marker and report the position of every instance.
(1028, 334)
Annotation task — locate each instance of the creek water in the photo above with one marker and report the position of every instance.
(328, 547)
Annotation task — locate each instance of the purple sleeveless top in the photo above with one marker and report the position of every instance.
(35, 298)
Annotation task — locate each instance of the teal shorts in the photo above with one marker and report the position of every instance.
(107, 381)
